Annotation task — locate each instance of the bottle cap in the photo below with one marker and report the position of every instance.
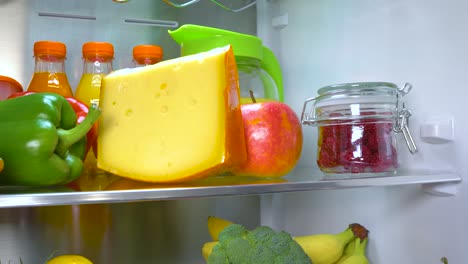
(50, 48)
(147, 52)
(98, 49)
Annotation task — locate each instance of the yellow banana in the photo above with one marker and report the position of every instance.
(348, 251)
(207, 248)
(358, 255)
(216, 225)
(321, 248)
(325, 248)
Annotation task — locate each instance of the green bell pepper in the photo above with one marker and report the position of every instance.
(40, 142)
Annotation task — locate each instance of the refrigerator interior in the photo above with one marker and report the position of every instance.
(318, 43)
(420, 42)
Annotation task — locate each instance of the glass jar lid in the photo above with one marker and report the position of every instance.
(384, 87)
(360, 92)
(378, 94)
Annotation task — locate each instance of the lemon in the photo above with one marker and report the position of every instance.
(69, 259)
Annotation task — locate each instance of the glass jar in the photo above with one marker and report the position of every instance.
(357, 124)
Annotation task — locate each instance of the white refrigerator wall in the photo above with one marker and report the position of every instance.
(418, 41)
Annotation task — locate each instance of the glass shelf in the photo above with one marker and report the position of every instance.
(229, 5)
(123, 190)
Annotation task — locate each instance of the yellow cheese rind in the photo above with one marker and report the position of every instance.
(172, 121)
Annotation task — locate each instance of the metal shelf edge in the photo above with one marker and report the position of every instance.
(139, 195)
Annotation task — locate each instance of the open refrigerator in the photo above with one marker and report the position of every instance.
(416, 216)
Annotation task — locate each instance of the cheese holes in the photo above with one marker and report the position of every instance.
(129, 112)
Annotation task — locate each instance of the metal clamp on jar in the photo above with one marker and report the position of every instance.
(357, 123)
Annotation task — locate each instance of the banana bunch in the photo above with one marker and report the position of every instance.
(347, 247)
(355, 252)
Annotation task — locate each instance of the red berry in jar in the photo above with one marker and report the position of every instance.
(366, 146)
(356, 128)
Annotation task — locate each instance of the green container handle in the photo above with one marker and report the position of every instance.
(271, 65)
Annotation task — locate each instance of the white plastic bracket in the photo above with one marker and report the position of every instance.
(280, 22)
(437, 130)
(441, 189)
(271, 213)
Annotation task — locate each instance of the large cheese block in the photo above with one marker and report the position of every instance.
(176, 120)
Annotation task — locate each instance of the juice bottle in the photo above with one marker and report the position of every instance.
(97, 62)
(49, 70)
(144, 55)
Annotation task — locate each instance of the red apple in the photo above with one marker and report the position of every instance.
(273, 135)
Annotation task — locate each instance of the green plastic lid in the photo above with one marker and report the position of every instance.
(195, 39)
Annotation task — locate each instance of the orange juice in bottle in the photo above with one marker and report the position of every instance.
(97, 62)
(49, 70)
(144, 55)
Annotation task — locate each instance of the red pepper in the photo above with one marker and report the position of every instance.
(81, 110)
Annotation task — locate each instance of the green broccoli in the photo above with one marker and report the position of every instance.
(262, 245)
